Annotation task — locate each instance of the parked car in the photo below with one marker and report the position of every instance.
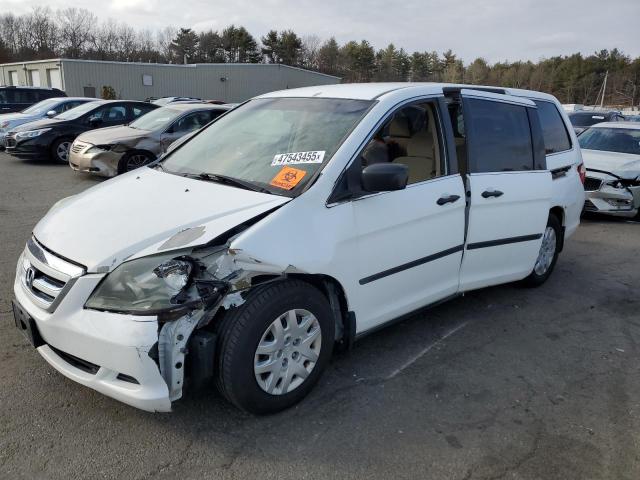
(162, 101)
(632, 118)
(110, 151)
(581, 120)
(298, 220)
(611, 153)
(16, 99)
(45, 109)
(52, 138)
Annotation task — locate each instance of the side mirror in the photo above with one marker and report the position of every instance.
(51, 113)
(385, 177)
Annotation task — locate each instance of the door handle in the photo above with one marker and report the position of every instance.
(447, 199)
(492, 193)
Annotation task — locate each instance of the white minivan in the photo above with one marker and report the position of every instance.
(292, 225)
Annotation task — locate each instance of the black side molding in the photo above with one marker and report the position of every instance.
(414, 263)
(503, 241)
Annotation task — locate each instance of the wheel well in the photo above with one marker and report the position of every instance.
(558, 212)
(337, 298)
(141, 150)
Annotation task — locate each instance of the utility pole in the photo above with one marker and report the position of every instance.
(604, 89)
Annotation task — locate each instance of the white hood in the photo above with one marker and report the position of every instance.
(141, 212)
(623, 165)
(15, 119)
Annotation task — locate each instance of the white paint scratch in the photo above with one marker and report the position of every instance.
(424, 351)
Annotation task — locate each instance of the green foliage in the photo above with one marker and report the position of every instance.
(108, 93)
(185, 43)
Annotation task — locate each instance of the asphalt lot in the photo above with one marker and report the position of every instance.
(505, 383)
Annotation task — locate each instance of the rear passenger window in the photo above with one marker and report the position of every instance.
(556, 138)
(499, 137)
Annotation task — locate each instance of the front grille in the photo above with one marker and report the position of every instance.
(589, 206)
(45, 276)
(79, 363)
(591, 184)
(77, 147)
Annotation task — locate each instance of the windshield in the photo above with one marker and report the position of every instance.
(78, 111)
(156, 119)
(42, 107)
(276, 143)
(620, 140)
(586, 119)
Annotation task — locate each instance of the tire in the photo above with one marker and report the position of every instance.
(547, 258)
(58, 149)
(132, 160)
(245, 328)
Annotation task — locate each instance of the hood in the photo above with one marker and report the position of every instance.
(111, 135)
(17, 118)
(144, 212)
(623, 165)
(43, 123)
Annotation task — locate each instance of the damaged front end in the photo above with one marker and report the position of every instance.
(611, 194)
(184, 291)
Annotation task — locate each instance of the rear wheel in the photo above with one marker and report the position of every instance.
(547, 255)
(60, 150)
(273, 348)
(132, 160)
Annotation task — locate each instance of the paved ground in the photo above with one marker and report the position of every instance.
(503, 383)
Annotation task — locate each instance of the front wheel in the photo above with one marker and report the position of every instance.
(548, 254)
(60, 150)
(273, 348)
(132, 160)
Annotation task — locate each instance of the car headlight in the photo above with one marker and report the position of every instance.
(32, 133)
(99, 149)
(145, 286)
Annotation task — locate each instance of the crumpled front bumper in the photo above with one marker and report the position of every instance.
(118, 345)
(104, 164)
(623, 202)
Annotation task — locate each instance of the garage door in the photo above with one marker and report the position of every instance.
(34, 76)
(55, 80)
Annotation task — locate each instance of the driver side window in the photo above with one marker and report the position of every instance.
(412, 137)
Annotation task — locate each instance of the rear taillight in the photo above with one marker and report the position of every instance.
(582, 172)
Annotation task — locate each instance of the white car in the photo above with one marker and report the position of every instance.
(301, 219)
(611, 153)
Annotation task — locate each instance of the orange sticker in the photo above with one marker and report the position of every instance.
(288, 177)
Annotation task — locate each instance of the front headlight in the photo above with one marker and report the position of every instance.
(99, 149)
(32, 133)
(146, 286)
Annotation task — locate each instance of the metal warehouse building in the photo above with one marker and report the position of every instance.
(230, 82)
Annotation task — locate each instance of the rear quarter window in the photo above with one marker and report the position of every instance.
(554, 131)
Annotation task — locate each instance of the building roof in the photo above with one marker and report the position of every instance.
(168, 65)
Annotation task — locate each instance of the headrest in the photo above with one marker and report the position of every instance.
(399, 127)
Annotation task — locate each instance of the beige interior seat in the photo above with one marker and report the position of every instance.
(421, 155)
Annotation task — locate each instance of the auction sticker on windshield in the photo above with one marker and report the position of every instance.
(298, 157)
(287, 178)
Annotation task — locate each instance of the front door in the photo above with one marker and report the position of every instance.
(510, 191)
(409, 241)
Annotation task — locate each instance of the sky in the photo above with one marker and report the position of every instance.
(496, 30)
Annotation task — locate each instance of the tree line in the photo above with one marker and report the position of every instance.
(77, 33)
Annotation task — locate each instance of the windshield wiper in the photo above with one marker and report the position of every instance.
(231, 181)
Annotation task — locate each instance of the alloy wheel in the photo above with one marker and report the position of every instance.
(287, 352)
(63, 151)
(136, 161)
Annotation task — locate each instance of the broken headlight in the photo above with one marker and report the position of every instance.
(146, 285)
